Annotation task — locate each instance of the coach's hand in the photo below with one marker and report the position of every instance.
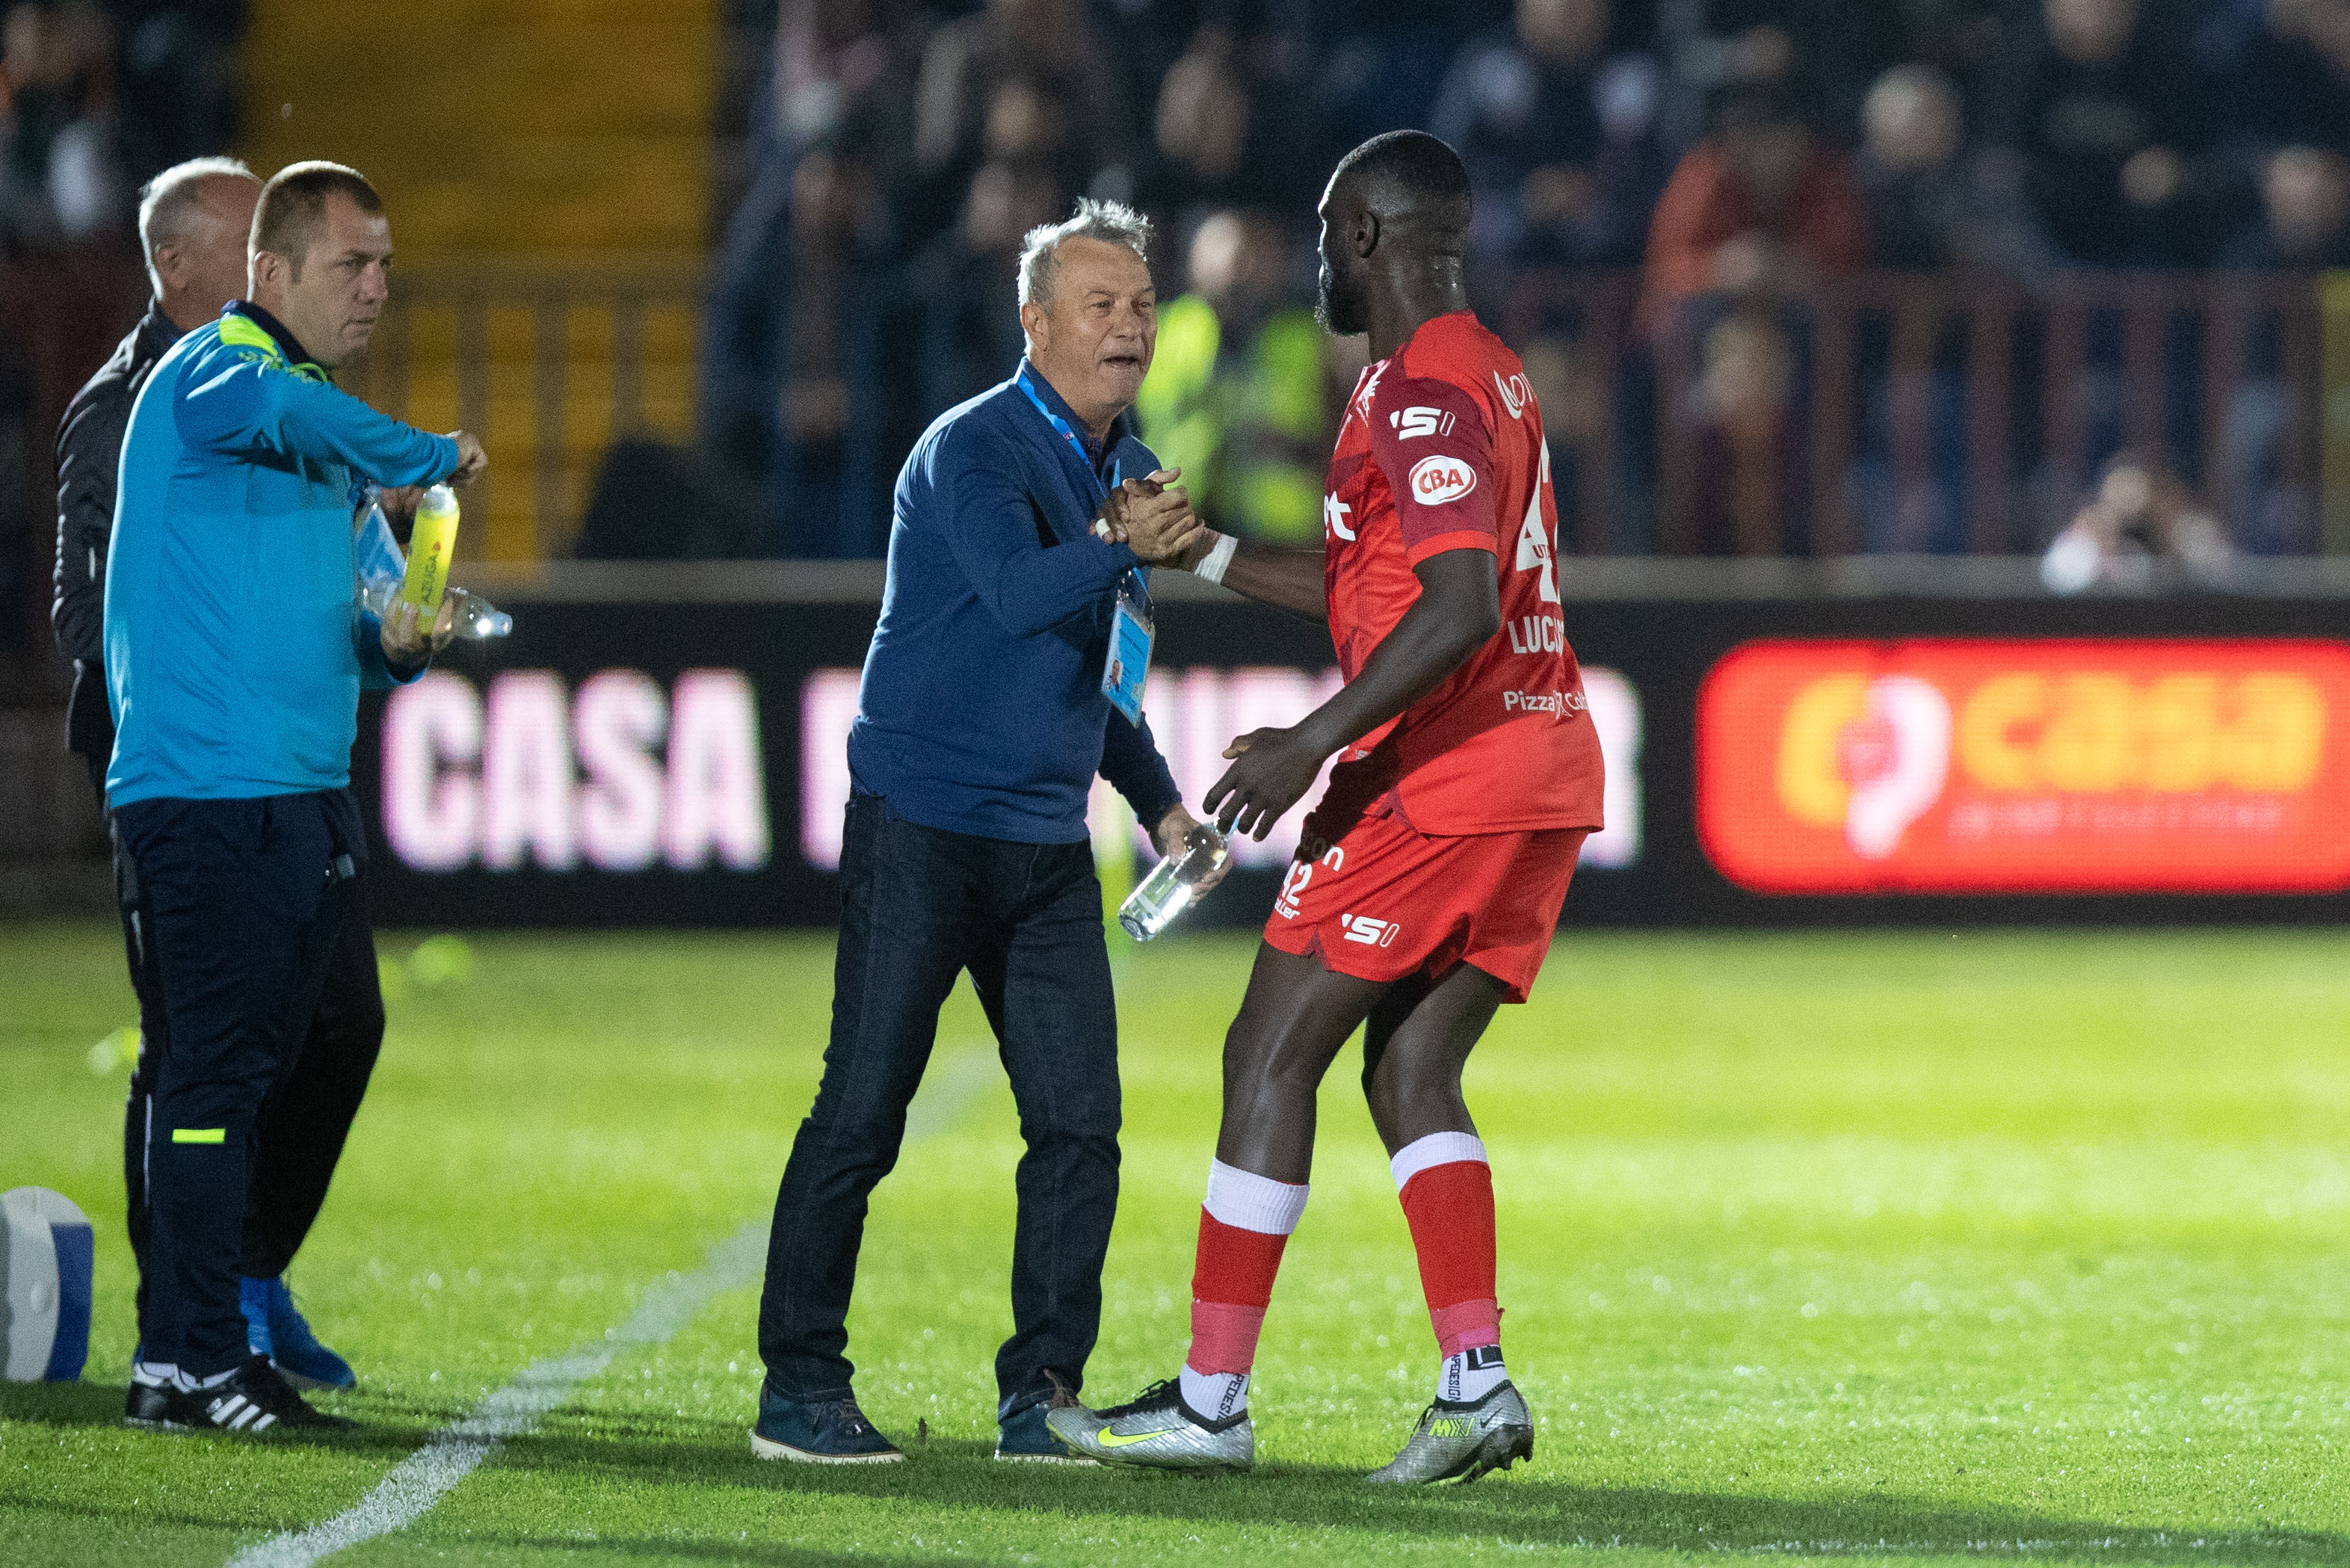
(1169, 835)
(1110, 525)
(1154, 517)
(407, 645)
(1271, 771)
(400, 503)
(470, 459)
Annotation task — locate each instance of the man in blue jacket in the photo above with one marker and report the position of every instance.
(234, 652)
(982, 723)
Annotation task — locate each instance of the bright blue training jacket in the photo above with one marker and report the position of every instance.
(981, 710)
(235, 644)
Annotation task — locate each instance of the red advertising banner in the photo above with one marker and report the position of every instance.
(1967, 765)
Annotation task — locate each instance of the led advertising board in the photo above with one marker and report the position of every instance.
(1194, 714)
(2055, 765)
(1770, 760)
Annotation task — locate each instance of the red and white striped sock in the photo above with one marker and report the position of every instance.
(1244, 1223)
(1447, 1190)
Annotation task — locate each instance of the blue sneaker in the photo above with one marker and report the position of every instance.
(819, 1432)
(275, 1328)
(1023, 1435)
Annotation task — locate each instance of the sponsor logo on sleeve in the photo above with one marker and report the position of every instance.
(1516, 393)
(1437, 479)
(1422, 420)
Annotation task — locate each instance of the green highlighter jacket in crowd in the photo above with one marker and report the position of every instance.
(1241, 416)
(236, 647)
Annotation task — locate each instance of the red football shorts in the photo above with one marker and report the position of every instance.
(1386, 900)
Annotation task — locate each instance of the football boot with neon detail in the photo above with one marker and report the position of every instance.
(1157, 1430)
(1458, 1440)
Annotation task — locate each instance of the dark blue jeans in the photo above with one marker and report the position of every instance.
(920, 905)
(242, 902)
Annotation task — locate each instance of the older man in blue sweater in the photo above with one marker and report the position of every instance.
(234, 655)
(982, 721)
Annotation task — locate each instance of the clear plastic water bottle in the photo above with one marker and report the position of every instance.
(1173, 885)
(474, 616)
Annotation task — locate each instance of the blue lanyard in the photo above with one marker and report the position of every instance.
(1101, 490)
(1028, 389)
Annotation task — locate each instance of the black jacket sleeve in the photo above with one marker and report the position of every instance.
(89, 450)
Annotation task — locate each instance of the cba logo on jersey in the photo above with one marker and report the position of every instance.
(1437, 479)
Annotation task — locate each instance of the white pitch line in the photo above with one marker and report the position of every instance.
(409, 1491)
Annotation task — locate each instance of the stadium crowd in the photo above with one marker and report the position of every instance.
(1650, 173)
(1735, 155)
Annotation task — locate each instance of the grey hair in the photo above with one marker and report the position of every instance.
(170, 203)
(1094, 220)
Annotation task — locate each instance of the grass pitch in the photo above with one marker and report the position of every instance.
(1898, 1248)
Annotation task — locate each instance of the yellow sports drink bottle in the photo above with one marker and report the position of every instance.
(430, 544)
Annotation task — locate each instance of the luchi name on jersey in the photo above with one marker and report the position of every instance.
(1441, 449)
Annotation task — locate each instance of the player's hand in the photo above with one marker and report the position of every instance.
(1154, 517)
(406, 643)
(470, 459)
(1173, 829)
(1271, 771)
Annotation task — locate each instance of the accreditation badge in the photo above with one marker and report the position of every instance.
(1128, 664)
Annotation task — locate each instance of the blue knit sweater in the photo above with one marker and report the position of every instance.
(981, 710)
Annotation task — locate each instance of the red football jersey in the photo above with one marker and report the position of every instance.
(1441, 449)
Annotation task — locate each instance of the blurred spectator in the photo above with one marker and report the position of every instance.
(2140, 518)
(61, 180)
(1927, 206)
(179, 88)
(1216, 137)
(1759, 210)
(1045, 44)
(1749, 478)
(2289, 79)
(2102, 116)
(798, 369)
(1234, 397)
(2305, 213)
(1828, 51)
(1757, 216)
(965, 278)
(1562, 148)
(841, 70)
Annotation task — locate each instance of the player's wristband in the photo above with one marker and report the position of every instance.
(1212, 565)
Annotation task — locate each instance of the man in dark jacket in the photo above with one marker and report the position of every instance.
(193, 221)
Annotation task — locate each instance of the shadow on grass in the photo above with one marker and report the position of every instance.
(1518, 1510)
(384, 1424)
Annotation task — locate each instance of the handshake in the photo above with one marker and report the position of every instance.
(1154, 516)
